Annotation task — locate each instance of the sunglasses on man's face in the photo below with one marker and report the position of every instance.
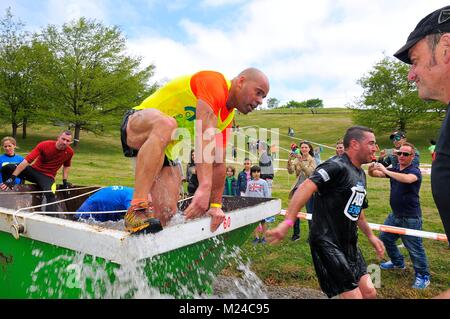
(406, 154)
(397, 138)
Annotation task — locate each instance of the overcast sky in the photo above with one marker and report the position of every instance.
(308, 49)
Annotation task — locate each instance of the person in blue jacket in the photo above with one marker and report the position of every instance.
(9, 157)
(244, 177)
(112, 198)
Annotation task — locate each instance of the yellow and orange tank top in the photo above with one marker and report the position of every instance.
(178, 99)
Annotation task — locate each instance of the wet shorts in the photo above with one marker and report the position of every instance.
(131, 152)
(336, 271)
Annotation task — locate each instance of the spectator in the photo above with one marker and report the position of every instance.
(427, 50)
(405, 182)
(339, 149)
(191, 175)
(432, 148)
(266, 165)
(107, 199)
(231, 186)
(274, 151)
(257, 187)
(303, 165)
(339, 189)
(234, 152)
(10, 157)
(291, 132)
(41, 166)
(387, 157)
(244, 176)
(317, 151)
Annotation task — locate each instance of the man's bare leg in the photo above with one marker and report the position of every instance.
(367, 288)
(150, 132)
(352, 294)
(165, 193)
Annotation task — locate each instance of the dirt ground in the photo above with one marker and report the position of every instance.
(253, 288)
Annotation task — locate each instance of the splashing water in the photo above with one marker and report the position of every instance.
(249, 286)
(181, 272)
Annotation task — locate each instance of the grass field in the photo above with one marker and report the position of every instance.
(99, 161)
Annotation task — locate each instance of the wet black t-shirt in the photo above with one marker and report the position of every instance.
(338, 203)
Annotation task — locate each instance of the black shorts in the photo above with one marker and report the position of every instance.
(127, 151)
(337, 272)
(131, 152)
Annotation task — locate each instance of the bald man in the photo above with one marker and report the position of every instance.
(200, 107)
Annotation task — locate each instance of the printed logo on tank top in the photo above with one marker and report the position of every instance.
(187, 116)
(189, 113)
(355, 202)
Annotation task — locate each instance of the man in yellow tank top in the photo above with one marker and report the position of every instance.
(203, 105)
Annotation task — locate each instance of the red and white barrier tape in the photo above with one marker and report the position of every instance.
(389, 229)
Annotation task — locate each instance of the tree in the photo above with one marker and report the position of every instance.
(313, 103)
(390, 101)
(272, 103)
(91, 80)
(293, 104)
(20, 61)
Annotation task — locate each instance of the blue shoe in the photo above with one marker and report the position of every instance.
(255, 241)
(262, 241)
(389, 265)
(422, 282)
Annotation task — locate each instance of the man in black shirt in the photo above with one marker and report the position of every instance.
(340, 187)
(427, 49)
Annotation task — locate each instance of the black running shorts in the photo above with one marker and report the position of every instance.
(337, 272)
(131, 152)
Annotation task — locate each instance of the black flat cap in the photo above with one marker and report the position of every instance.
(436, 22)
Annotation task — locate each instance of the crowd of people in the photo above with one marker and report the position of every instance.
(333, 191)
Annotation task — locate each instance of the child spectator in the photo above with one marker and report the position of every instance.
(231, 186)
(244, 177)
(257, 187)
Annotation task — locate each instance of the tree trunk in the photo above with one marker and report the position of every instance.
(24, 127)
(14, 129)
(76, 137)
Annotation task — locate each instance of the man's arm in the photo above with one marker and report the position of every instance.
(21, 167)
(400, 177)
(374, 170)
(218, 185)
(301, 196)
(206, 122)
(376, 243)
(66, 170)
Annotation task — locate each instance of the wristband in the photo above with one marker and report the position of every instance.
(289, 222)
(215, 205)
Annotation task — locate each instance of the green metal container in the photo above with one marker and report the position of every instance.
(56, 257)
